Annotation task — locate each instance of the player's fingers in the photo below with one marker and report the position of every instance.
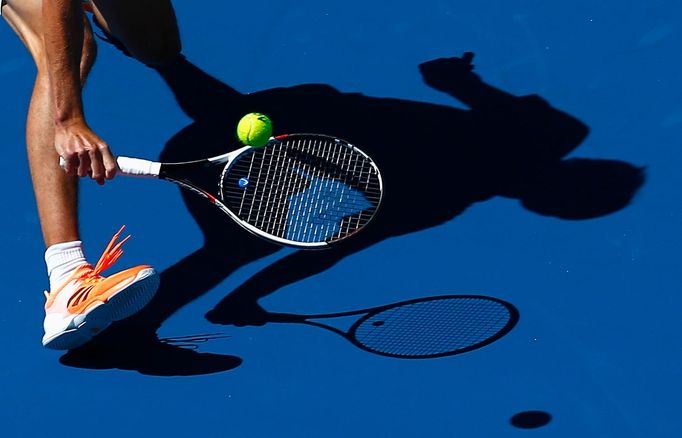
(83, 163)
(70, 163)
(110, 166)
(96, 166)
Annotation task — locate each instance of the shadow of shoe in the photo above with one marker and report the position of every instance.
(147, 355)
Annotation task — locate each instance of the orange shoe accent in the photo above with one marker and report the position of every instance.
(91, 287)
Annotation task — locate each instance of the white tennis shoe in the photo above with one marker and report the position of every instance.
(87, 303)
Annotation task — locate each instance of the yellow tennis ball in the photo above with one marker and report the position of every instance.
(254, 129)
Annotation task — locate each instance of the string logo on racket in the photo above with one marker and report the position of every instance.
(243, 182)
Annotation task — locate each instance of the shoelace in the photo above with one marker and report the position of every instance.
(90, 276)
(112, 252)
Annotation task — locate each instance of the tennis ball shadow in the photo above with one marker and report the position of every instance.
(530, 419)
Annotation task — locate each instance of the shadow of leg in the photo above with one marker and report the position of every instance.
(241, 306)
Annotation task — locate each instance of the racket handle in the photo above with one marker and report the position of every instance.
(132, 167)
(138, 167)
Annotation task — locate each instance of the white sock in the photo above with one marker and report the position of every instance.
(61, 260)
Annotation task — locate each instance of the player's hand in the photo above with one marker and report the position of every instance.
(84, 153)
(445, 73)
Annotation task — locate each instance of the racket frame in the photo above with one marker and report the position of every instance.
(140, 168)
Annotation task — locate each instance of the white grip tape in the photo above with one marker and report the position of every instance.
(138, 167)
(132, 167)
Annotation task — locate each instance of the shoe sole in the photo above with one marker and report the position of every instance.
(120, 306)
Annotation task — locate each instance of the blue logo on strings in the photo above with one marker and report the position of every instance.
(243, 182)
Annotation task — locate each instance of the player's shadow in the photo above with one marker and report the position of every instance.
(436, 161)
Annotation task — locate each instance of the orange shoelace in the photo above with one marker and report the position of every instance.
(89, 276)
(111, 253)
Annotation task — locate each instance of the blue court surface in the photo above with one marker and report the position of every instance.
(548, 178)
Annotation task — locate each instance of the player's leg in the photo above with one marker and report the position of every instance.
(81, 302)
(55, 192)
(147, 28)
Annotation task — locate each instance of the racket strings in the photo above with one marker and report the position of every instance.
(345, 209)
(304, 189)
(433, 328)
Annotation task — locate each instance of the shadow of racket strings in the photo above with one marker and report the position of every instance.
(422, 328)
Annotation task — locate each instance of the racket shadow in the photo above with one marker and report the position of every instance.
(422, 328)
(445, 157)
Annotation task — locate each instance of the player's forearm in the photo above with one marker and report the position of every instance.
(63, 25)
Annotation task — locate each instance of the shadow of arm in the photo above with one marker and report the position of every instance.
(455, 77)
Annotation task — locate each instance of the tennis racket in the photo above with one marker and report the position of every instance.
(301, 190)
(422, 328)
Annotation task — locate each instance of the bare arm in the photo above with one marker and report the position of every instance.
(84, 152)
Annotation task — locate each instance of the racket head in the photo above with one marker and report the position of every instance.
(302, 190)
(432, 327)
